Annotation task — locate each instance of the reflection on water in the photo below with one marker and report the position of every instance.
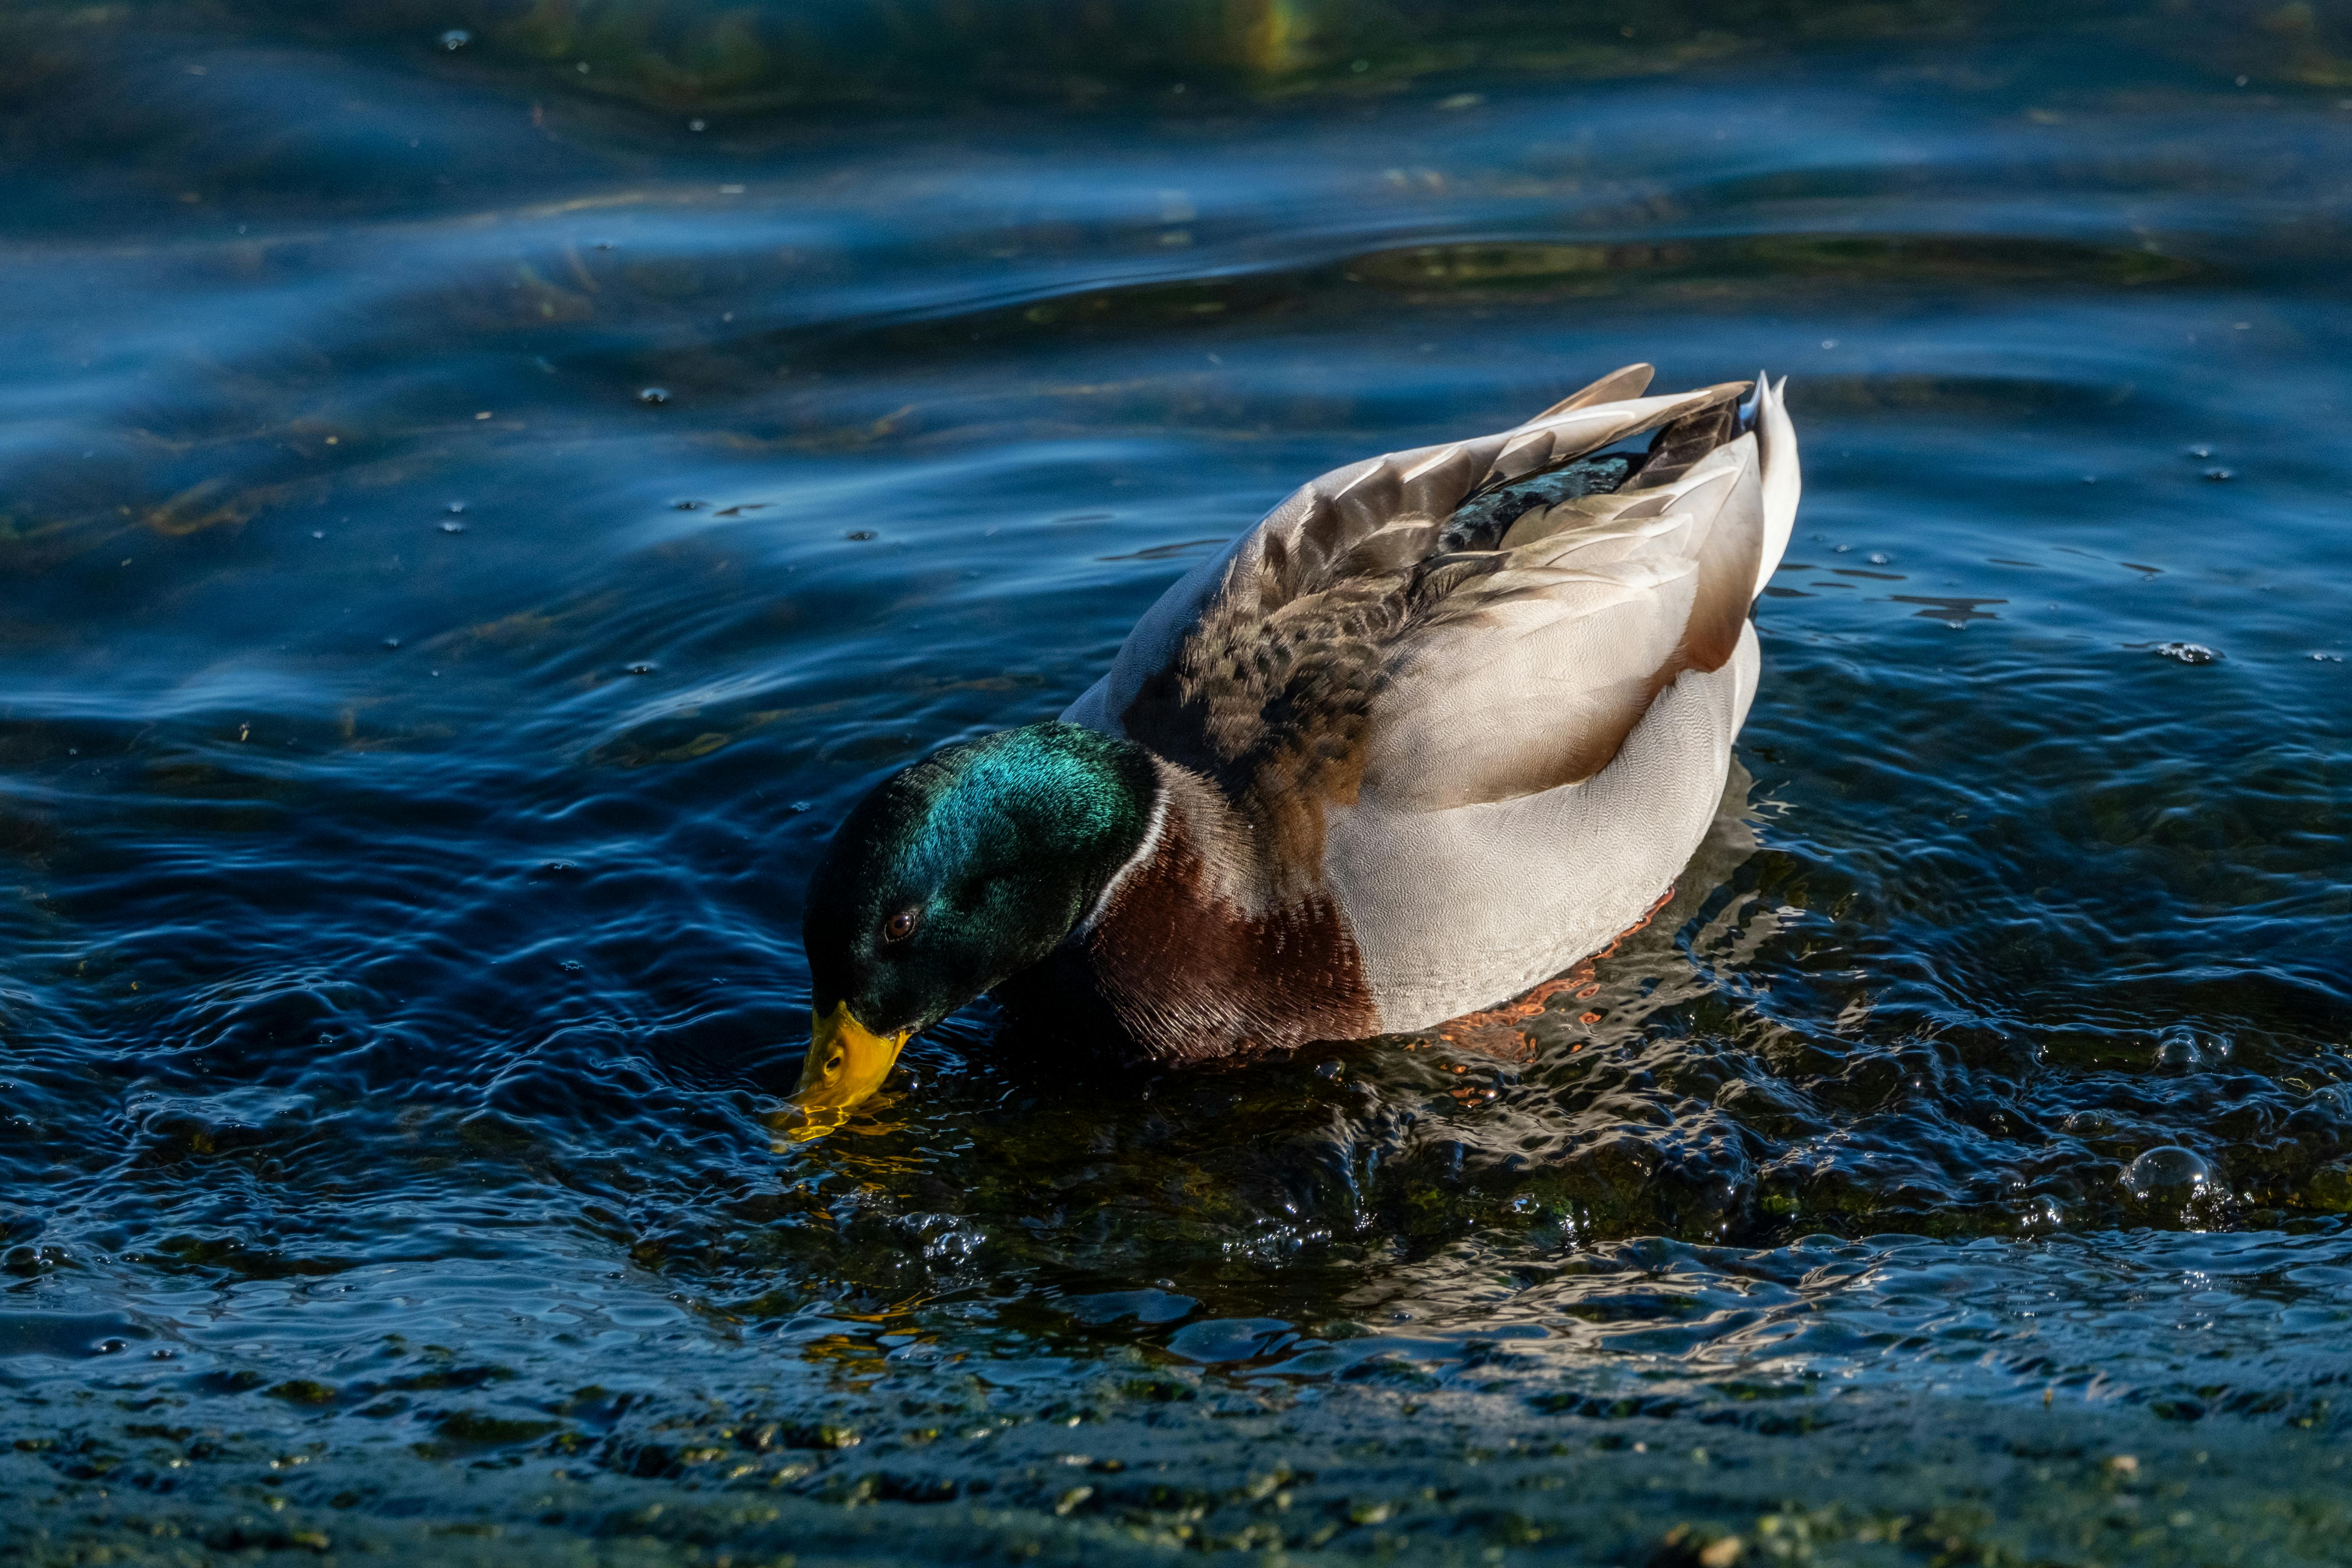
(465, 544)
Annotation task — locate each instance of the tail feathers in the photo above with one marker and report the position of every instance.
(1681, 442)
(1776, 440)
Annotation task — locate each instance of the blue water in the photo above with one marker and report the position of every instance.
(462, 547)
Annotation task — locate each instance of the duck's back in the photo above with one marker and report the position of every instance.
(1482, 695)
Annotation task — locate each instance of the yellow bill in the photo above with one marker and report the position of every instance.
(846, 1063)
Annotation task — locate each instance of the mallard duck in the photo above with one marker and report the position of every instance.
(1444, 723)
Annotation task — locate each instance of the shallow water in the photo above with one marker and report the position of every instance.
(463, 542)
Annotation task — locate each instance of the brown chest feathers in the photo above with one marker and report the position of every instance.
(1192, 972)
(1189, 967)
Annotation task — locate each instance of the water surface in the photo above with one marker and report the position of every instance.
(464, 542)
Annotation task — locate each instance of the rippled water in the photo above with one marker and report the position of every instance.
(462, 547)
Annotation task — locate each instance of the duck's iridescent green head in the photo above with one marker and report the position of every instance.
(952, 876)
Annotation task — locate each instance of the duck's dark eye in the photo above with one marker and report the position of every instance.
(901, 926)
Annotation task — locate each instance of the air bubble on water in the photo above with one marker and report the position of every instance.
(2182, 1047)
(454, 508)
(2170, 1173)
(453, 527)
(1842, 549)
(2187, 652)
(2219, 474)
(698, 125)
(798, 807)
(392, 642)
(456, 39)
(2321, 656)
(2201, 451)
(318, 533)
(654, 396)
(1880, 558)
(643, 667)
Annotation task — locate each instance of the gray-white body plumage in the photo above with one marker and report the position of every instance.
(1486, 722)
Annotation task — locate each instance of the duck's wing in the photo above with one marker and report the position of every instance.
(1415, 629)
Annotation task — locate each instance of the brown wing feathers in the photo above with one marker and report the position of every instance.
(1273, 691)
(1631, 382)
